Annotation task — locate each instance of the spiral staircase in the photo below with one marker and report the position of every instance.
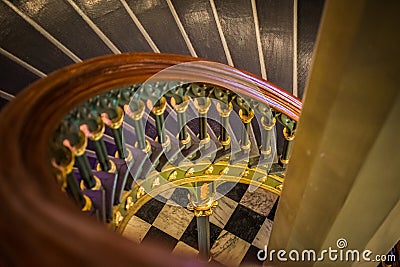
(126, 128)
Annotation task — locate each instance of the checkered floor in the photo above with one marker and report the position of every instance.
(240, 226)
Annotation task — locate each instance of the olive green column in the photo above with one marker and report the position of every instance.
(343, 177)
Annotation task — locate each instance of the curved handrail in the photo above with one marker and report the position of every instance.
(40, 222)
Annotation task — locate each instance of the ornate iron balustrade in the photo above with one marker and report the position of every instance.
(80, 97)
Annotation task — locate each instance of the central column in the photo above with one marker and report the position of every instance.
(202, 202)
(203, 236)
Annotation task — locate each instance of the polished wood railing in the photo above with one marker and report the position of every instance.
(39, 222)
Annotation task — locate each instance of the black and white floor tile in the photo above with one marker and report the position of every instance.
(240, 225)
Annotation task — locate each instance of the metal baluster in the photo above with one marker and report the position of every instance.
(113, 116)
(100, 147)
(136, 111)
(246, 116)
(224, 112)
(121, 150)
(82, 162)
(158, 111)
(289, 133)
(63, 162)
(224, 109)
(202, 104)
(180, 105)
(71, 137)
(268, 122)
(92, 125)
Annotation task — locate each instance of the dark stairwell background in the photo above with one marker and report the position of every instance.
(38, 37)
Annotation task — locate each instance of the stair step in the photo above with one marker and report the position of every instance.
(98, 199)
(109, 182)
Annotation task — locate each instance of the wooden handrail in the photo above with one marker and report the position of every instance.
(39, 225)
